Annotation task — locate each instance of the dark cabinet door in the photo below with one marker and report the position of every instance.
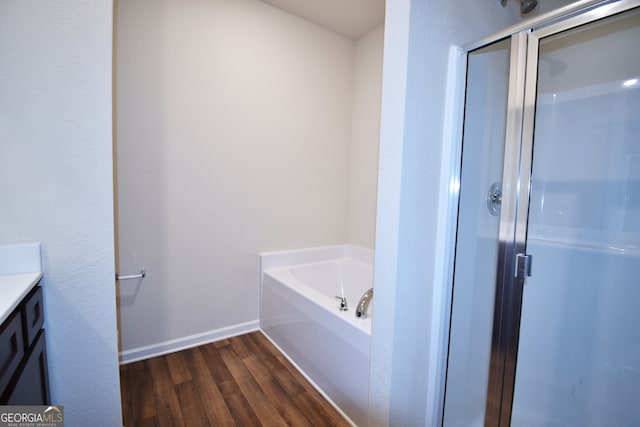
(11, 349)
(32, 387)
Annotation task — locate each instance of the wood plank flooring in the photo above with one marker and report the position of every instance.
(241, 381)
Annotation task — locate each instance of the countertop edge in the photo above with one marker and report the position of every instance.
(13, 289)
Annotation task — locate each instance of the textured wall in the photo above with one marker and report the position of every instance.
(56, 187)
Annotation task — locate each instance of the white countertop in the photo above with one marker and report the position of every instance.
(13, 288)
(20, 270)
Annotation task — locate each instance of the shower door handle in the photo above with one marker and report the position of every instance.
(523, 266)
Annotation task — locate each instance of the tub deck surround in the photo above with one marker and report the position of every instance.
(279, 259)
(300, 315)
(20, 271)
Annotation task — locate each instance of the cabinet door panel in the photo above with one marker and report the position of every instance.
(33, 314)
(11, 349)
(32, 387)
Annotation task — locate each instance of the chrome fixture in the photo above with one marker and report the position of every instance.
(494, 198)
(526, 6)
(363, 304)
(343, 303)
(140, 275)
(523, 266)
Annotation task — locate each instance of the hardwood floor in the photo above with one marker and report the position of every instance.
(241, 381)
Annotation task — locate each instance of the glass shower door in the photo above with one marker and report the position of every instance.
(578, 358)
(483, 147)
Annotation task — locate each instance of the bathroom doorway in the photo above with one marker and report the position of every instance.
(241, 127)
(544, 312)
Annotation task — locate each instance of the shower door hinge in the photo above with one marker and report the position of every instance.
(523, 266)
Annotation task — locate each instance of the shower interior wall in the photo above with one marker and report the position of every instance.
(240, 129)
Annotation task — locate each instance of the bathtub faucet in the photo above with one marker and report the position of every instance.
(343, 303)
(363, 304)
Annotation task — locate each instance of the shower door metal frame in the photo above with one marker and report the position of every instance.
(516, 185)
(511, 241)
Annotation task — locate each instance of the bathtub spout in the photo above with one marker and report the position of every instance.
(363, 304)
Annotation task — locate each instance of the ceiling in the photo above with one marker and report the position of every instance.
(351, 18)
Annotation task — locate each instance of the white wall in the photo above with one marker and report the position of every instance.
(234, 123)
(365, 137)
(56, 187)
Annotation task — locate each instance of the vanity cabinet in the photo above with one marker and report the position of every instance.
(24, 378)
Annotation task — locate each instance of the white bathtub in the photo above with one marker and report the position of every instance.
(299, 314)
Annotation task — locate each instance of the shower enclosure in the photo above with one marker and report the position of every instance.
(545, 317)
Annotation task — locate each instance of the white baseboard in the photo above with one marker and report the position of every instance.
(171, 346)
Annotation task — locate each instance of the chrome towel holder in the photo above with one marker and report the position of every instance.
(140, 275)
